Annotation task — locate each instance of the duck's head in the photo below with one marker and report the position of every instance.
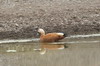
(41, 31)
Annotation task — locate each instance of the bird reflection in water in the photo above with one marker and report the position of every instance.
(47, 46)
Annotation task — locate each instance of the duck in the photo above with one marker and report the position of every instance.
(50, 37)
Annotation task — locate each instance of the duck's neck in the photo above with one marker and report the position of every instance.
(42, 34)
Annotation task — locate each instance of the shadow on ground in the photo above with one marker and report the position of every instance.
(31, 32)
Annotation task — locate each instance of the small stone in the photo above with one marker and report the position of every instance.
(16, 25)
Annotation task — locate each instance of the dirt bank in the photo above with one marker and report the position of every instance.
(19, 18)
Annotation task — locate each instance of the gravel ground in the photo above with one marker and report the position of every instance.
(19, 18)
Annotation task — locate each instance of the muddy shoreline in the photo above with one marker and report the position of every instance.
(18, 19)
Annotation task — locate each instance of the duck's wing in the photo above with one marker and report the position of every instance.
(52, 37)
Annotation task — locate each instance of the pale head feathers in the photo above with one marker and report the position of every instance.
(41, 31)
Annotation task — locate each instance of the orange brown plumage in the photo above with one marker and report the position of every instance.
(50, 37)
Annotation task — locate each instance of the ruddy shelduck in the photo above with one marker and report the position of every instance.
(50, 37)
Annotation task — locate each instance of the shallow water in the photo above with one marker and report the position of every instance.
(80, 51)
(35, 45)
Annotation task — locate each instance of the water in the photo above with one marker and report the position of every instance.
(33, 45)
(82, 50)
